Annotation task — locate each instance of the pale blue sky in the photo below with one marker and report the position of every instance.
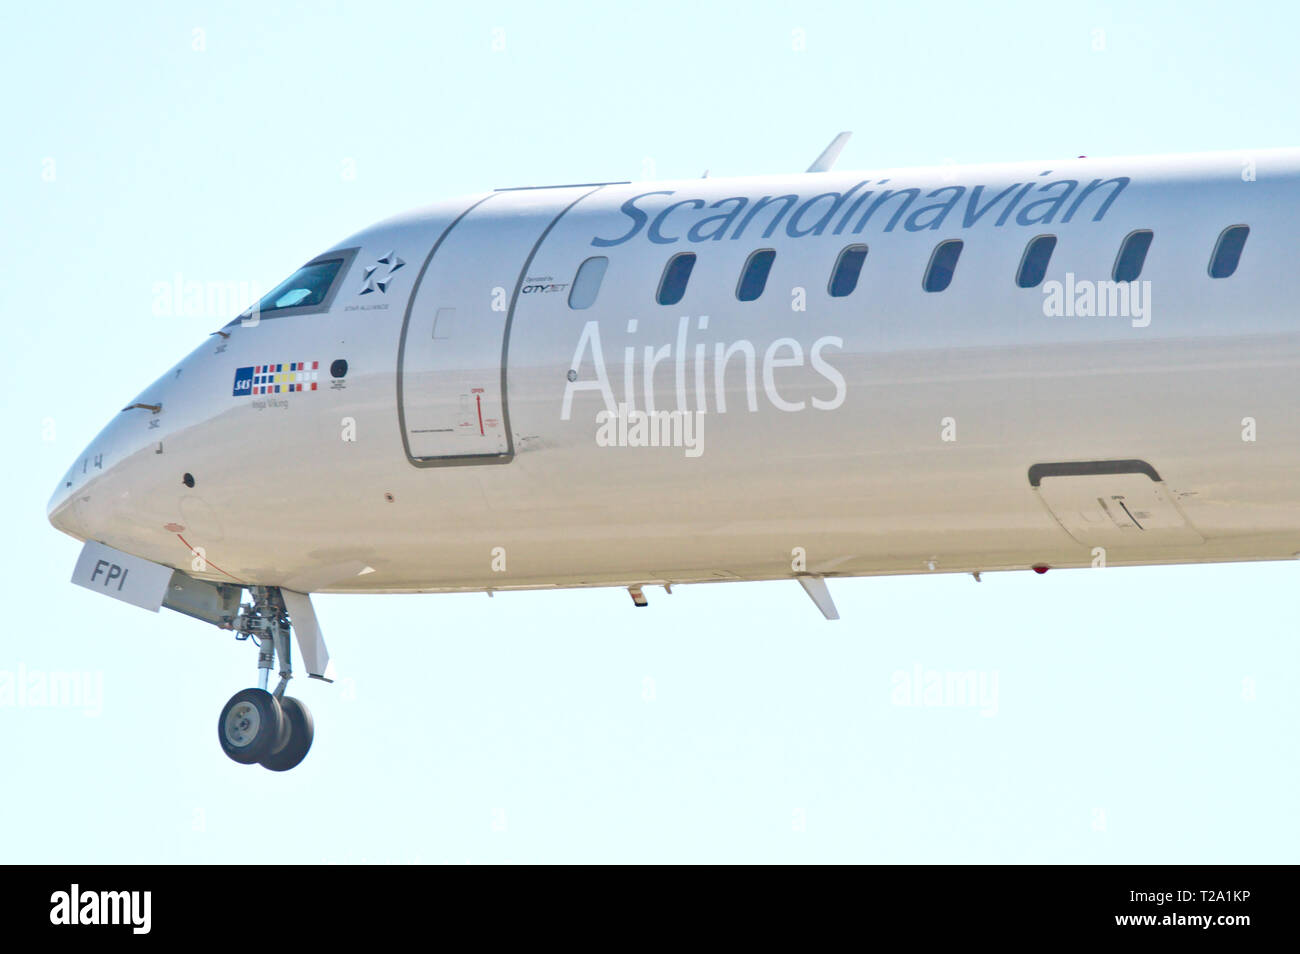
(1142, 715)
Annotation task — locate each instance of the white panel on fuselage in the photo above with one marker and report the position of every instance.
(1117, 509)
(453, 406)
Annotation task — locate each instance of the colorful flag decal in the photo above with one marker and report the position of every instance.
(278, 378)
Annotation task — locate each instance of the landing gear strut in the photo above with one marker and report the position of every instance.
(257, 726)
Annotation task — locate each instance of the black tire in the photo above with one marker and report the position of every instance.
(250, 726)
(301, 732)
(286, 728)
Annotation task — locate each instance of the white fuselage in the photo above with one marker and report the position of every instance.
(890, 430)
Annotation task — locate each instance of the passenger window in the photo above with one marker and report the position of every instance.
(938, 274)
(1132, 255)
(1227, 250)
(1033, 266)
(847, 268)
(754, 277)
(676, 274)
(586, 284)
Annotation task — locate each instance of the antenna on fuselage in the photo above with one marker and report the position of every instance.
(827, 159)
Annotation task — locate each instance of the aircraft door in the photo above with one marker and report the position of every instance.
(452, 404)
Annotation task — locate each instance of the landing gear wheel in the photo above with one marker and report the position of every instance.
(250, 726)
(301, 731)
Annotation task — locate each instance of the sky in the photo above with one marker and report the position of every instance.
(1141, 715)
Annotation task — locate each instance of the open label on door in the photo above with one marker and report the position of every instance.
(1112, 503)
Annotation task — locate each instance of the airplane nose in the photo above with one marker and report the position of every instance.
(81, 503)
(114, 482)
(59, 511)
(64, 510)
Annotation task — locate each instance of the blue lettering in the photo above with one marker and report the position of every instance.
(914, 223)
(813, 216)
(1119, 182)
(786, 200)
(973, 211)
(638, 218)
(655, 235)
(1002, 219)
(885, 197)
(1053, 204)
(792, 227)
(697, 234)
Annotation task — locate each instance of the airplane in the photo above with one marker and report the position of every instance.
(1076, 362)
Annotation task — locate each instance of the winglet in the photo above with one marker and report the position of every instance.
(815, 587)
(830, 153)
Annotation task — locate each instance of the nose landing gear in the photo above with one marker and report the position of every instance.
(257, 726)
(298, 730)
(250, 725)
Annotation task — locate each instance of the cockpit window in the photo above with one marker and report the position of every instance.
(309, 289)
(307, 286)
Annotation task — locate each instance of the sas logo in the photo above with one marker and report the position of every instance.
(279, 378)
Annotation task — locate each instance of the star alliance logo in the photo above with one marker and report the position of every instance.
(376, 282)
